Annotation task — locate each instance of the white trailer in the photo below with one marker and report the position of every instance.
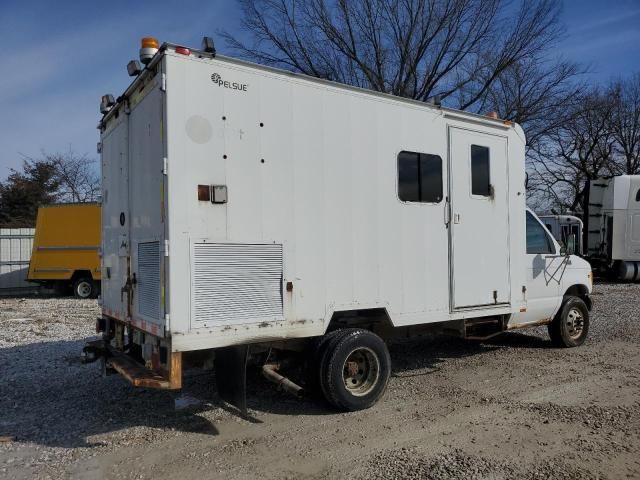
(250, 212)
(612, 225)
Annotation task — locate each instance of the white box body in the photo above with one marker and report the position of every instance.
(311, 223)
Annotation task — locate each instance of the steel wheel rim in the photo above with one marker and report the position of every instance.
(361, 371)
(84, 289)
(575, 323)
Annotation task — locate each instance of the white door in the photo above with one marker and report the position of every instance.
(147, 208)
(544, 272)
(115, 215)
(479, 233)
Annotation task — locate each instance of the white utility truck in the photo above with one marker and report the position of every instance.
(255, 215)
(612, 225)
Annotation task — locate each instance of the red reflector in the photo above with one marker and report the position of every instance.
(183, 51)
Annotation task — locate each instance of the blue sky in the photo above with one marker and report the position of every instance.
(59, 57)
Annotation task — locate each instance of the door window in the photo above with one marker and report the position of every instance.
(419, 177)
(480, 171)
(537, 239)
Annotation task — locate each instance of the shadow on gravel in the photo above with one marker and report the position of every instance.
(49, 397)
(427, 353)
(409, 358)
(520, 340)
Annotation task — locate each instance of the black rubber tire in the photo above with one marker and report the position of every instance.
(336, 353)
(84, 287)
(326, 344)
(314, 353)
(559, 328)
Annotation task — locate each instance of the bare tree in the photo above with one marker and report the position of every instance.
(539, 95)
(625, 123)
(579, 149)
(457, 49)
(77, 177)
(598, 136)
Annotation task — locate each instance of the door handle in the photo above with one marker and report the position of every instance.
(447, 214)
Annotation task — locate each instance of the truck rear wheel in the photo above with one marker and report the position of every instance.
(354, 370)
(84, 287)
(571, 324)
(317, 349)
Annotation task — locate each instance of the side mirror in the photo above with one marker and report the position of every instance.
(570, 249)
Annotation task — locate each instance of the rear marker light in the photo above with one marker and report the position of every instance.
(204, 193)
(183, 51)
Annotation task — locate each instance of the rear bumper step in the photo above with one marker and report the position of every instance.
(137, 373)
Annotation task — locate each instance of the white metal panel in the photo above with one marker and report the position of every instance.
(621, 186)
(148, 279)
(326, 191)
(16, 245)
(146, 204)
(234, 283)
(115, 217)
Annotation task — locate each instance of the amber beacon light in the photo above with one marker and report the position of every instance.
(148, 48)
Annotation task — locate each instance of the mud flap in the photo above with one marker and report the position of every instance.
(230, 366)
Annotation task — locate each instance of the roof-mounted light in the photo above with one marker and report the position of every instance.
(106, 103)
(435, 100)
(148, 48)
(134, 68)
(208, 46)
(183, 51)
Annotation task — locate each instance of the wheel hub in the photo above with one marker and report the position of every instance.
(361, 371)
(84, 289)
(575, 323)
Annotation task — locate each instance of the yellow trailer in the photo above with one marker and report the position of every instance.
(66, 248)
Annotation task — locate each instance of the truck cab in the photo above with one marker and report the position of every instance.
(553, 274)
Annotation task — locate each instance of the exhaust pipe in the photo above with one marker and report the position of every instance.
(270, 372)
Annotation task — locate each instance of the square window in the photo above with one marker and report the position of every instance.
(419, 177)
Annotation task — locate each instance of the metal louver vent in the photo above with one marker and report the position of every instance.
(236, 283)
(148, 279)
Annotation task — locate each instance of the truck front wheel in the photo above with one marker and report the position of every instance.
(84, 287)
(571, 324)
(355, 370)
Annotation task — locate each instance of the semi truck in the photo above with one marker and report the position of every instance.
(255, 216)
(66, 248)
(612, 226)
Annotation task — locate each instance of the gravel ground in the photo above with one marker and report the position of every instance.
(510, 408)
